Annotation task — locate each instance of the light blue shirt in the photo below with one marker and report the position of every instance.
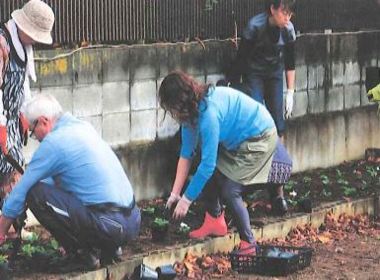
(79, 162)
(229, 117)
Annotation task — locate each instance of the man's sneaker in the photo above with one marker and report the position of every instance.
(89, 259)
(108, 257)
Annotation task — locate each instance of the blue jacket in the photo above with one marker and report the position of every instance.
(227, 117)
(78, 161)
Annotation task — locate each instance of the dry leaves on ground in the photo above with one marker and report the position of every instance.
(346, 226)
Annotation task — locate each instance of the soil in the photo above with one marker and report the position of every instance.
(357, 257)
(344, 182)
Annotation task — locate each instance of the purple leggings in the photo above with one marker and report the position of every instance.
(222, 189)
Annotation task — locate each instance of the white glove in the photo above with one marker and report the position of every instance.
(182, 207)
(173, 198)
(288, 100)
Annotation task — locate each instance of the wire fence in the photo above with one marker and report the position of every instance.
(81, 22)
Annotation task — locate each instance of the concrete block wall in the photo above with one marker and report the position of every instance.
(116, 90)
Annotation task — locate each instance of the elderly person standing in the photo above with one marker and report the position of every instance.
(238, 141)
(75, 186)
(29, 25)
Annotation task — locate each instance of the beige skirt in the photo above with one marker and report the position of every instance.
(250, 163)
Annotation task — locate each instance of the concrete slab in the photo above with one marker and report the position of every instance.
(143, 95)
(116, 63)
(87, 67)
(337, 70)
(335, 99)
(53, 72)
(115, 97)
(141, 129)
(351, 96)
(351, 73)
(87, 100)
(116, 128)
(300, 103)
(316, 99)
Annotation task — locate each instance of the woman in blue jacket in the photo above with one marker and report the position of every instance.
(237, 137)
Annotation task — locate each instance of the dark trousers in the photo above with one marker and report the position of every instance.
(268, 89)
(76, 226)
(222, 189)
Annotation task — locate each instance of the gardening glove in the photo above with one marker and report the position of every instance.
(288, 100)
(173, 198)
(24, 128)
(3, 139)
(182, 207)
(374, 94)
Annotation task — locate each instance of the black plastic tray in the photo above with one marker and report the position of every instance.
(261, 263)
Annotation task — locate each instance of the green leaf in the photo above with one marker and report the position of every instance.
(325, 179)
(339, 173)
(306, 179)
(54, 244)
(148, 210)
(349, 191)
(342, 182)
(289, 185)
(326, 193)
(3, 258)
(160, 222)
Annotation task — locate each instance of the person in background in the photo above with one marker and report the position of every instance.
(31, 24)
(75, 186)
(266, 49)
(238, 140)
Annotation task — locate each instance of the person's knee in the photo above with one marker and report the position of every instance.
(230, 190)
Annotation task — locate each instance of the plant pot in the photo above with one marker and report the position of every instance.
(159, 233)
(143, 272)
(166, 272)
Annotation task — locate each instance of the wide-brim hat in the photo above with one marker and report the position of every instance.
(36, 20)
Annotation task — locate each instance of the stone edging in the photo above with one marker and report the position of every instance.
(273, 229)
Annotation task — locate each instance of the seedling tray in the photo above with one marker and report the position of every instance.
(272, 260)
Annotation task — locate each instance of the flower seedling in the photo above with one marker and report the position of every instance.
(325, 179)
(3, 259)
(160, 222)
(149, 210)
(349, 191)
(326, 193)
(184, 229)
(159, 229)
(289, 185)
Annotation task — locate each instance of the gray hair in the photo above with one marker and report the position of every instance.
(43, 105)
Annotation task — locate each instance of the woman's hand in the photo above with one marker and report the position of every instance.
(182, 207)
(173, 198)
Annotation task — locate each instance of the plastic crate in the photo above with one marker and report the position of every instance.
(264, 263)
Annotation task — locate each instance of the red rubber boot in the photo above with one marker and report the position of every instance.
(246, 248)
(211, 226)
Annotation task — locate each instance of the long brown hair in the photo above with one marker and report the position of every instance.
(180, 95)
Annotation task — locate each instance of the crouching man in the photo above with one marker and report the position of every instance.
(75, 186)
